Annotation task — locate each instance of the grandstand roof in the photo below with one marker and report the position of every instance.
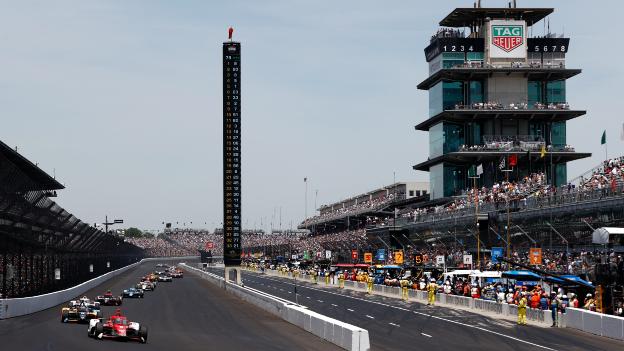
(469, 73)
(40, 179)
(470, 157)
(465, 17)
(474, 114)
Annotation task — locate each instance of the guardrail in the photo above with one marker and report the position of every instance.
(344, 335)
(595, 323)
(16, 307)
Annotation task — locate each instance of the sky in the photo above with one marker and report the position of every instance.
(121, 99)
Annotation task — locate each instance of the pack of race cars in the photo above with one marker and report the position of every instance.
(116, 326)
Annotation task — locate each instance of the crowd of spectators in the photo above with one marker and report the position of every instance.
(373, 204)
(159, 247)
(608, 175)
(492, 105)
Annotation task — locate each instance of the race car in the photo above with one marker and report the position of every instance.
(117, 326)
(79, 314)
(151, 277)
(108, 299)
(176, 274)
(165, 278)
(146, 285)
(133, 292)
(82, 301)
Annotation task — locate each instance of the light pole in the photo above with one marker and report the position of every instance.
(107, 223)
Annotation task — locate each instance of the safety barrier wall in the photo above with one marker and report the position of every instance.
(344, 335)
(26, 305)
(595, 323)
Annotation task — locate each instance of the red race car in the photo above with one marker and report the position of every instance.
(108, 299)
(117, 326)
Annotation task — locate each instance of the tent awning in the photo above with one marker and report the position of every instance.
(601, 235)
(522, 275)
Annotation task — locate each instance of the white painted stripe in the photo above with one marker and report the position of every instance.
(350, 310)
(422, 314)
(321, 301)
(333, 304)
(427, 335)
(307, 297)
(371, 317)
(396, 325)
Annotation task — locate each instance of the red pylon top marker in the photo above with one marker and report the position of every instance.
(230, 32)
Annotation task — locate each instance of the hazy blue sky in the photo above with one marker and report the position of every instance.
(123, 98)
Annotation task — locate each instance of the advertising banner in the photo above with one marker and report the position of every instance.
(209, 245)
(507, 39)
(328, 254)
(467, 259)
(368, 257)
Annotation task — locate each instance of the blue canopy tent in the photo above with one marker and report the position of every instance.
(522, 275)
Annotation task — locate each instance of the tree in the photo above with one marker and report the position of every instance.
(133, 232)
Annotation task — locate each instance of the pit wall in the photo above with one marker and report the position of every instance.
(16, 307)
(346, 336)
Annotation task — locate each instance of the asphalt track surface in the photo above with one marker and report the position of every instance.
(396, 325)
(187, 314)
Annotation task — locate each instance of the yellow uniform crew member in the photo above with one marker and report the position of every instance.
(326, 277)
(522, 305)
(369, 284)
(341, 279)
(404, 292)
(432, 288)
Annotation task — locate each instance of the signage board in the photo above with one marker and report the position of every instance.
(380, 255)
(507, 39)
(398, 257)
(418, 259)
(535, 255)
(354, 255)
(209, 245)
(440, 259)
(496, 253)
(467, 259)
(368, 257)
(328, 254)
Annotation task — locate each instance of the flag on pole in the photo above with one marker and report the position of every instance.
(622, 135)
(480, 169)
(305, 179)
(513, 160)
(603, 140)
(501, 164)
(543, 151)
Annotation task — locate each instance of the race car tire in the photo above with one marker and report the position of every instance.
(64, 317)
(99, 329)
(143, 334)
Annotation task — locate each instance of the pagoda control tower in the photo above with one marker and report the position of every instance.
(497, 100)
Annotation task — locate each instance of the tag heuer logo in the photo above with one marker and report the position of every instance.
(507, 37)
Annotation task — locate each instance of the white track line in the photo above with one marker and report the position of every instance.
(396, 325)
(350, 310)
(422, 314)
(371, 317)
(427, 335)
(333, 304)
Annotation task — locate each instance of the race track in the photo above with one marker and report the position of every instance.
(394, 325)
(188, 314)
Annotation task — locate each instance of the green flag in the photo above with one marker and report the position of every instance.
(603, 140)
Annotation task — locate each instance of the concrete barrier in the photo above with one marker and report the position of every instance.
(594, 322)
(16, 307)
(344, 335)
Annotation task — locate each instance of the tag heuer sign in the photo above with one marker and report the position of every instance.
(507, 37)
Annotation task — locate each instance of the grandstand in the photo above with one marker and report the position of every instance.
(43, 247)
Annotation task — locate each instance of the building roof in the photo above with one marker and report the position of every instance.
(465, 17)
(469, 73)
(423, 185)
(464, 115)
(40, 180)
(473, 157)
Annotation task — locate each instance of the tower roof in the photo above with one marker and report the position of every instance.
(465, 17)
